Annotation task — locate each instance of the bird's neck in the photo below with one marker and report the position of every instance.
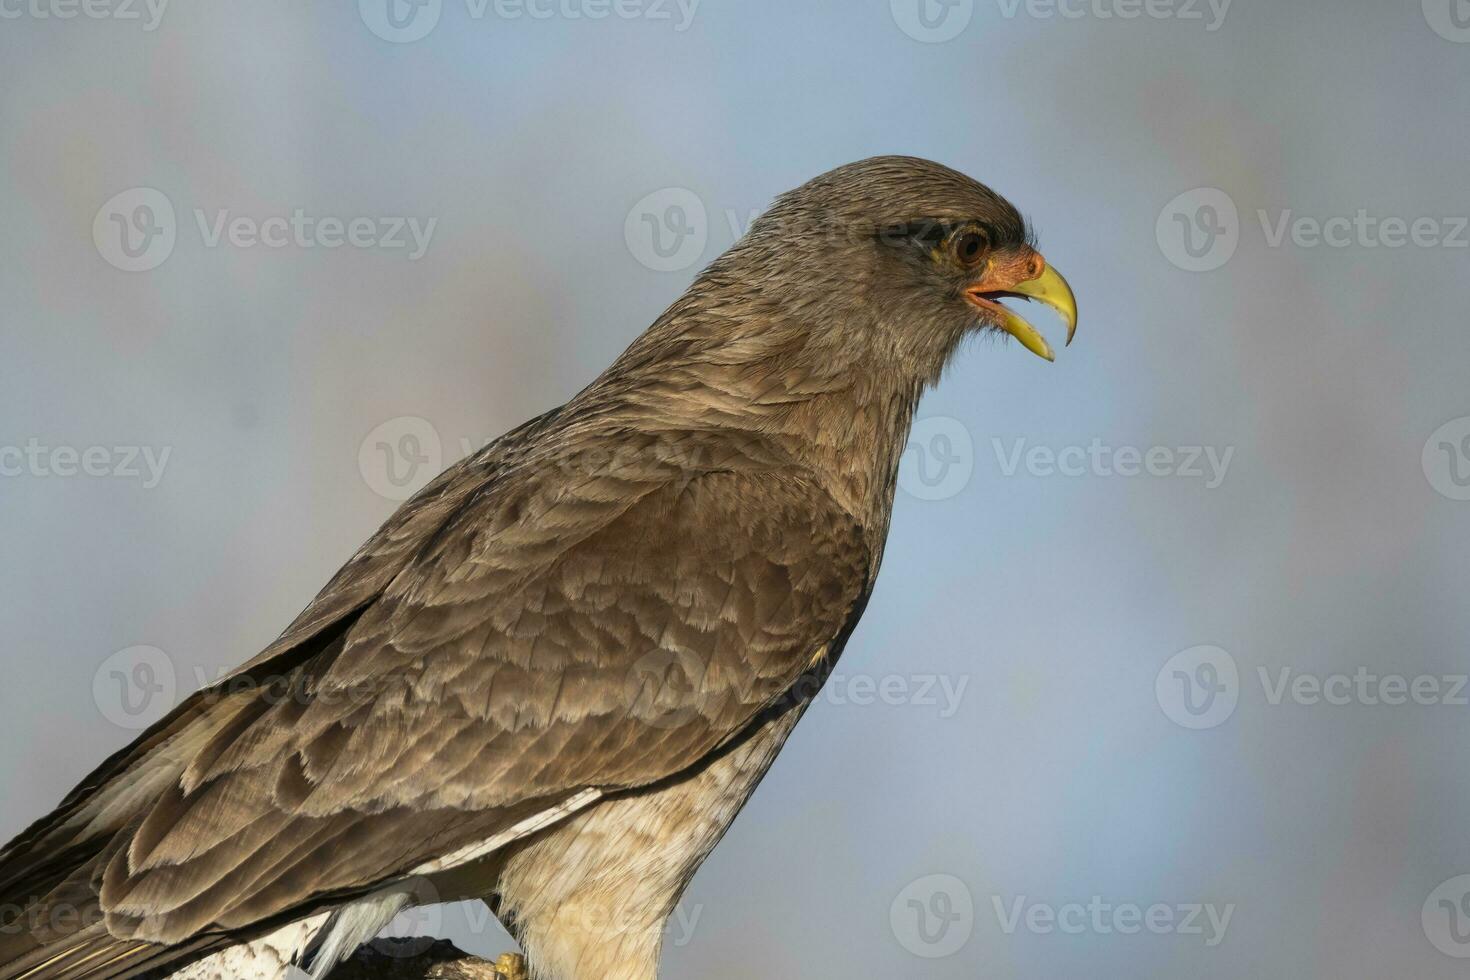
(854, 435)
(846, 423)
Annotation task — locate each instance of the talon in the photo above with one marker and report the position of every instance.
(511, 966)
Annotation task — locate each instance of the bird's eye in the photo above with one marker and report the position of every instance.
(969, 247)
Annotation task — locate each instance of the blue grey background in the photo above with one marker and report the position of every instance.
(1055, 600)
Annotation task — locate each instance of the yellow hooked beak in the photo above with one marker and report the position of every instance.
(1049, 287)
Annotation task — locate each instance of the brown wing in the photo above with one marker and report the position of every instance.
(129, 781)
(578, 625)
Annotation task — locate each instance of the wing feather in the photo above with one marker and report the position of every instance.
(530, 636)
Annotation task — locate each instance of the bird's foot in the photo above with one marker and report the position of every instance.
(511, 966)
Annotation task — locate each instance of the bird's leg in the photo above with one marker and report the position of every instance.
(511, 966)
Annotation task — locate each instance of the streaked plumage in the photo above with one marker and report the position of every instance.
(556, 674)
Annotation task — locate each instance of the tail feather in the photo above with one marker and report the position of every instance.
(83, 954)
(95, 954)
(64, 936)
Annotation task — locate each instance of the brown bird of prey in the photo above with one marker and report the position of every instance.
(554, 676)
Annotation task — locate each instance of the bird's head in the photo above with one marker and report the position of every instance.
(900, 256)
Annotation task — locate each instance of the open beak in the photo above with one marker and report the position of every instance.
(1049, 287)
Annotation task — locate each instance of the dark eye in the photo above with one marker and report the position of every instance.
(970, 246)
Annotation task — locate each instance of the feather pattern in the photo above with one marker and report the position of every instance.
(569, 659)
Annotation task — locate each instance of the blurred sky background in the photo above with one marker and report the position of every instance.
(543, 148)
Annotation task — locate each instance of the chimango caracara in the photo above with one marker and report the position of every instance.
(555, 675)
